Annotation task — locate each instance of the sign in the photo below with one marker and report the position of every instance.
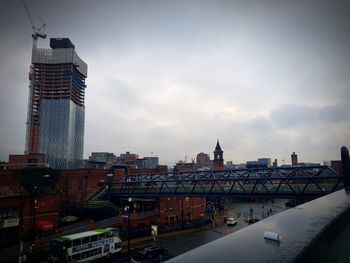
(154, 230)
(11, 222)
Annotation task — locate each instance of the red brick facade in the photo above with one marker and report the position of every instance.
(176, 209)
(19, 211)
(19, 161)
(77, 185)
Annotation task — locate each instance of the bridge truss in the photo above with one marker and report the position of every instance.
(281, 182)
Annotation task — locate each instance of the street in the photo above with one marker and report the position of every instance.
(180, 243)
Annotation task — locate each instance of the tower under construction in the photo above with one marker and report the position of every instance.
(56, 106)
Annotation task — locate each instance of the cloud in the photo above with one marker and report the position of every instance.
(289, 116)
(265, 78)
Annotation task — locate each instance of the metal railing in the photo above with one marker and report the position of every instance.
(281, 182)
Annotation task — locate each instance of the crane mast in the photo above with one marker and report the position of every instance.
(33, 115)
(36, 30)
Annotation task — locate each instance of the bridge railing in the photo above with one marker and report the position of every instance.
(311, 181)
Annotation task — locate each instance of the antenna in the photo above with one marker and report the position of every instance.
(36, 30)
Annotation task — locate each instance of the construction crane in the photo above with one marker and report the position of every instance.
(36, 30)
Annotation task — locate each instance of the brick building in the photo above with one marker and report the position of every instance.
(20, 161)
(21, 211)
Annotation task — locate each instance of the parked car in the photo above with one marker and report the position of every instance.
(250, 220)
(152, 251)
(231, 221)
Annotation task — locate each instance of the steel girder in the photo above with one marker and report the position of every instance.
(282, 182)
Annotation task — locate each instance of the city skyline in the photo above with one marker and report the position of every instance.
(173, 77)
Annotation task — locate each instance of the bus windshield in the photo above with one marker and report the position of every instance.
(57, 250)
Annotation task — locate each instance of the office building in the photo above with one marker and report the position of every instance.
(56, 105)
(294, 158)
(148, 162)
(275, 163)
(203, 160)
(264, 162)
(101, 160)
(260, 163)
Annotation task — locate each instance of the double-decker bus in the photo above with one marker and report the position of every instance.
(85, 246)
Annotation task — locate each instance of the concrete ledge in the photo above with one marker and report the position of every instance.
(300, 228)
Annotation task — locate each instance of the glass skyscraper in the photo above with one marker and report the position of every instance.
(56, 106)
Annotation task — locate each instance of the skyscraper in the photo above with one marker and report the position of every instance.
(294, 158)
(56, 104)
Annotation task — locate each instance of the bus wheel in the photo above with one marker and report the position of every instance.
(108, 256)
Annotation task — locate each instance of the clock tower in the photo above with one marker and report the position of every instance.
(218, 157)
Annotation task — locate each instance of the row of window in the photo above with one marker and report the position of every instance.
(92, 253)
(93, 238)
(87, 254)
(8, 212)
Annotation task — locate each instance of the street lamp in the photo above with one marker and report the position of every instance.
(109, 185)
(34, 202)
(127, 209)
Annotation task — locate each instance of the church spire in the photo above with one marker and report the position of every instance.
(218, 147)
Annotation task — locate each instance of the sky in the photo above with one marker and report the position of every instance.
(169, 78)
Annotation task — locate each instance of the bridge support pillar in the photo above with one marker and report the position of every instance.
(110, 175)
(345, 160)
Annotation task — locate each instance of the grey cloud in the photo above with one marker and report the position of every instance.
(161, 73)
(289, 116)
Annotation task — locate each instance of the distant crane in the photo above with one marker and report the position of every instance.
(36, 30)
(284, 156)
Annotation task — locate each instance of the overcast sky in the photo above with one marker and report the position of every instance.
(169, 78)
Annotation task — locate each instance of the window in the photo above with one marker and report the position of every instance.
(67, 243)
(102, 236)
(76, 257)
(8, 212)
(85, 240)
(85, 254)
(94, 238)
(76, 242)
(93, 252)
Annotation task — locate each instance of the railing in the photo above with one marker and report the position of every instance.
(103, 203)
(290, 182)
